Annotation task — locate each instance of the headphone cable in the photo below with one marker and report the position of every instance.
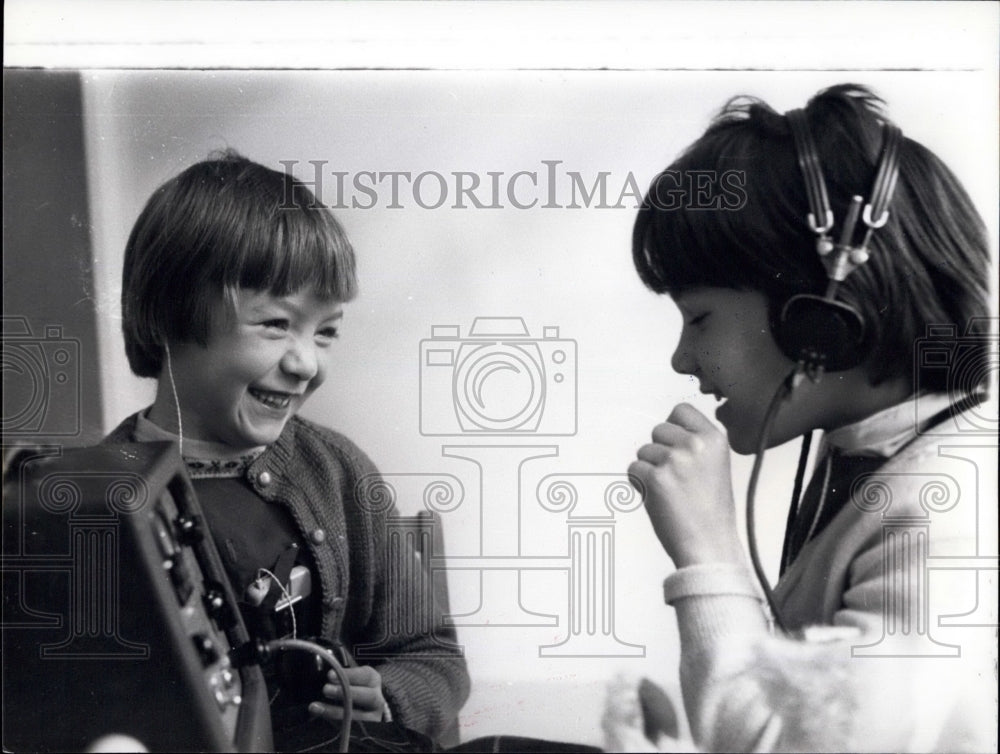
(784, 390)
(793, 505)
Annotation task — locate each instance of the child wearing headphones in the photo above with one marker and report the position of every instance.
(234, 285)
(814, 303)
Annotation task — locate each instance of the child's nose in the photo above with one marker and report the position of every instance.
(301, 360)
(683, 361)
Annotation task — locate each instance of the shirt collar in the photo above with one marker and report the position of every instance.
(885, 432)
(202, 457)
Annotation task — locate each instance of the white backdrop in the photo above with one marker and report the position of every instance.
(564, 267)
(616, 88)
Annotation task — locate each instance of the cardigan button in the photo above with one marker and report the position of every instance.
(318, 536)
(265, 478)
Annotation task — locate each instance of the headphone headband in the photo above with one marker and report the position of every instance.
(875, 213)
(885, 179)
(812, 172)
(818, 331)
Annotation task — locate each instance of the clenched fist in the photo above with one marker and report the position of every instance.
(684, 473)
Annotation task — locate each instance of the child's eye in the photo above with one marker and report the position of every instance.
(328, 333)
(276, 324)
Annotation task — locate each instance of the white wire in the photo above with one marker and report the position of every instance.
(177, 403)
(285, 592)
(334, 663)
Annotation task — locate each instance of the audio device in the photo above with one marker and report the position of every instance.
(118, 618)
(819, 332)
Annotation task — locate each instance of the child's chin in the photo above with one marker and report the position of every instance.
(741, 448)
(744, 443)
(741, 441)
(263, 434)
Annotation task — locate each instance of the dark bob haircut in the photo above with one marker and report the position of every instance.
(929, 264)
(221, 225)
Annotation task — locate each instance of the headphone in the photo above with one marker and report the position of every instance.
(820, 333)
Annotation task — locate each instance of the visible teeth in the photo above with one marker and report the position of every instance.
(274, 400)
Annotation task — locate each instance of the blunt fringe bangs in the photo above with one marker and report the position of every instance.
(221, 225)
(929, 264)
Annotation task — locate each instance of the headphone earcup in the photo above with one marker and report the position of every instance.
(820, 331)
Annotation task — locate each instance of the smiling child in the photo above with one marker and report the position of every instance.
(234, 286)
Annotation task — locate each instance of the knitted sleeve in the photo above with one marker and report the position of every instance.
(424, 674)
(397, 625)
(718, 610)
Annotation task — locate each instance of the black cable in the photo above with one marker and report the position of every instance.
(334, 663)
(793, 505)
(783, 391)
(800, 472)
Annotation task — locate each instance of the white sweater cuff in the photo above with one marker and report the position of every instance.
(714, 601)
(709, 580)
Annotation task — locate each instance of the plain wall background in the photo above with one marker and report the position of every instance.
(50, 341)
(419, 268)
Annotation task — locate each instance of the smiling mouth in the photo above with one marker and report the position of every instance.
(271, 399)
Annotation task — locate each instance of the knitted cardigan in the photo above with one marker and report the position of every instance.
(891, 653)
(315, 473)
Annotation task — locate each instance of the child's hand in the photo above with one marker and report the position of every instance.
(366, 695)
(685, 475)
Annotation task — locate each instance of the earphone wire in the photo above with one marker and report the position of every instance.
(285, 593)
(177, 402)
(784, 390)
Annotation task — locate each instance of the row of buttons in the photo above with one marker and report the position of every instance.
(316, 536)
